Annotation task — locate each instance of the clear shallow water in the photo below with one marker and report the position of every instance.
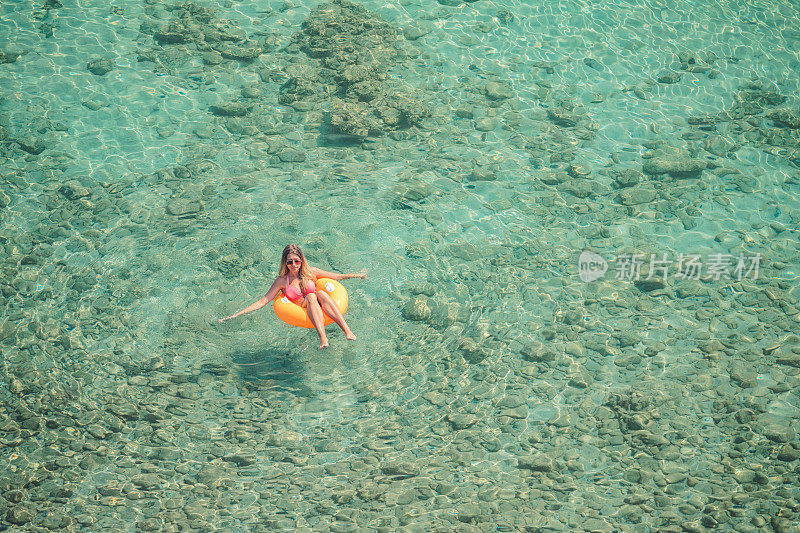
(527, 398)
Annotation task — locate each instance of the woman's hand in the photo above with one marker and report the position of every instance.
(362, 274)
(221, 320)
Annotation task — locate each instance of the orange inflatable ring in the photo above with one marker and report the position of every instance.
(295, 315)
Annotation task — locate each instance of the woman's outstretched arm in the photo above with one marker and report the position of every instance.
(271, 293)
(335, 275)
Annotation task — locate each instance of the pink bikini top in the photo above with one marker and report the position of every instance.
(294, 294)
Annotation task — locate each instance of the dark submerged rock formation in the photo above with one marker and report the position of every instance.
(348, 53)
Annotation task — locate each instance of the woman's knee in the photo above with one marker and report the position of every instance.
(312, 299)
(324, 297)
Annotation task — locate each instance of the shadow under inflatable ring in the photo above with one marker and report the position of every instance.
(295, 315)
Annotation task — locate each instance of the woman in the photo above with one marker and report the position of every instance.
(296, 277)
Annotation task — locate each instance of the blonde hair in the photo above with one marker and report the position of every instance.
(304, 273)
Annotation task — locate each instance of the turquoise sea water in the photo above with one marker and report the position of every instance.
(151, 173)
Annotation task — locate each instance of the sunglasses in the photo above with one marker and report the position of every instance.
(293, 261)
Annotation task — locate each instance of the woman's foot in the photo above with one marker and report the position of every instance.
(323, 342)
(350, 335)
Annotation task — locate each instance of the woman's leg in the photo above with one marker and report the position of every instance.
(330, 307)
(315, 314)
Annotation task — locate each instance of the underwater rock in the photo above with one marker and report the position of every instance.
(505, 17)
(426, 288)
(238, 52)
(349, 51)
(291, 155)
(472, 352)
(74, 190)
(398, 110)
(561, 117)
(46, 29)
(417, 29)
(417, 309)
(461, 421)
(554, 177)
(410, 191)
(669, 76)
(9, 57)
(719, 145)
(683, 168)
(636, 196)
(147, 481)
(627, 402)
(535, 463)
(212, 57)
(789, 452)
(593, 63)
(193, 32)
(495, 90)
(627, 178)
(239, 126)
(93, 105)
(481, 173)
(786, 118)
(704, 122)
(780, 432)
(742, 375)
(677, 162)
(230, 265)
(351, 22)
(443, 314)
(691, 62)
(221, 31)
(210, 475)
(648, 285)
(240, 458)
(143, 56)
(467, 251)
(579, 188)
(781, 524)
(535, 352)
(7, 329)
(100, 67)
(749, 97)
(125, 411)
(231, 109)
(579, 171)
(580, 379)
(170, 34)
(486, 124)
(788, 357)
(400, 468)
(32, 144)
(354, 118)
(183, 207)
(467, 513)
(419, 250)
(19, 515)
(252, 91)
(464, 111)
